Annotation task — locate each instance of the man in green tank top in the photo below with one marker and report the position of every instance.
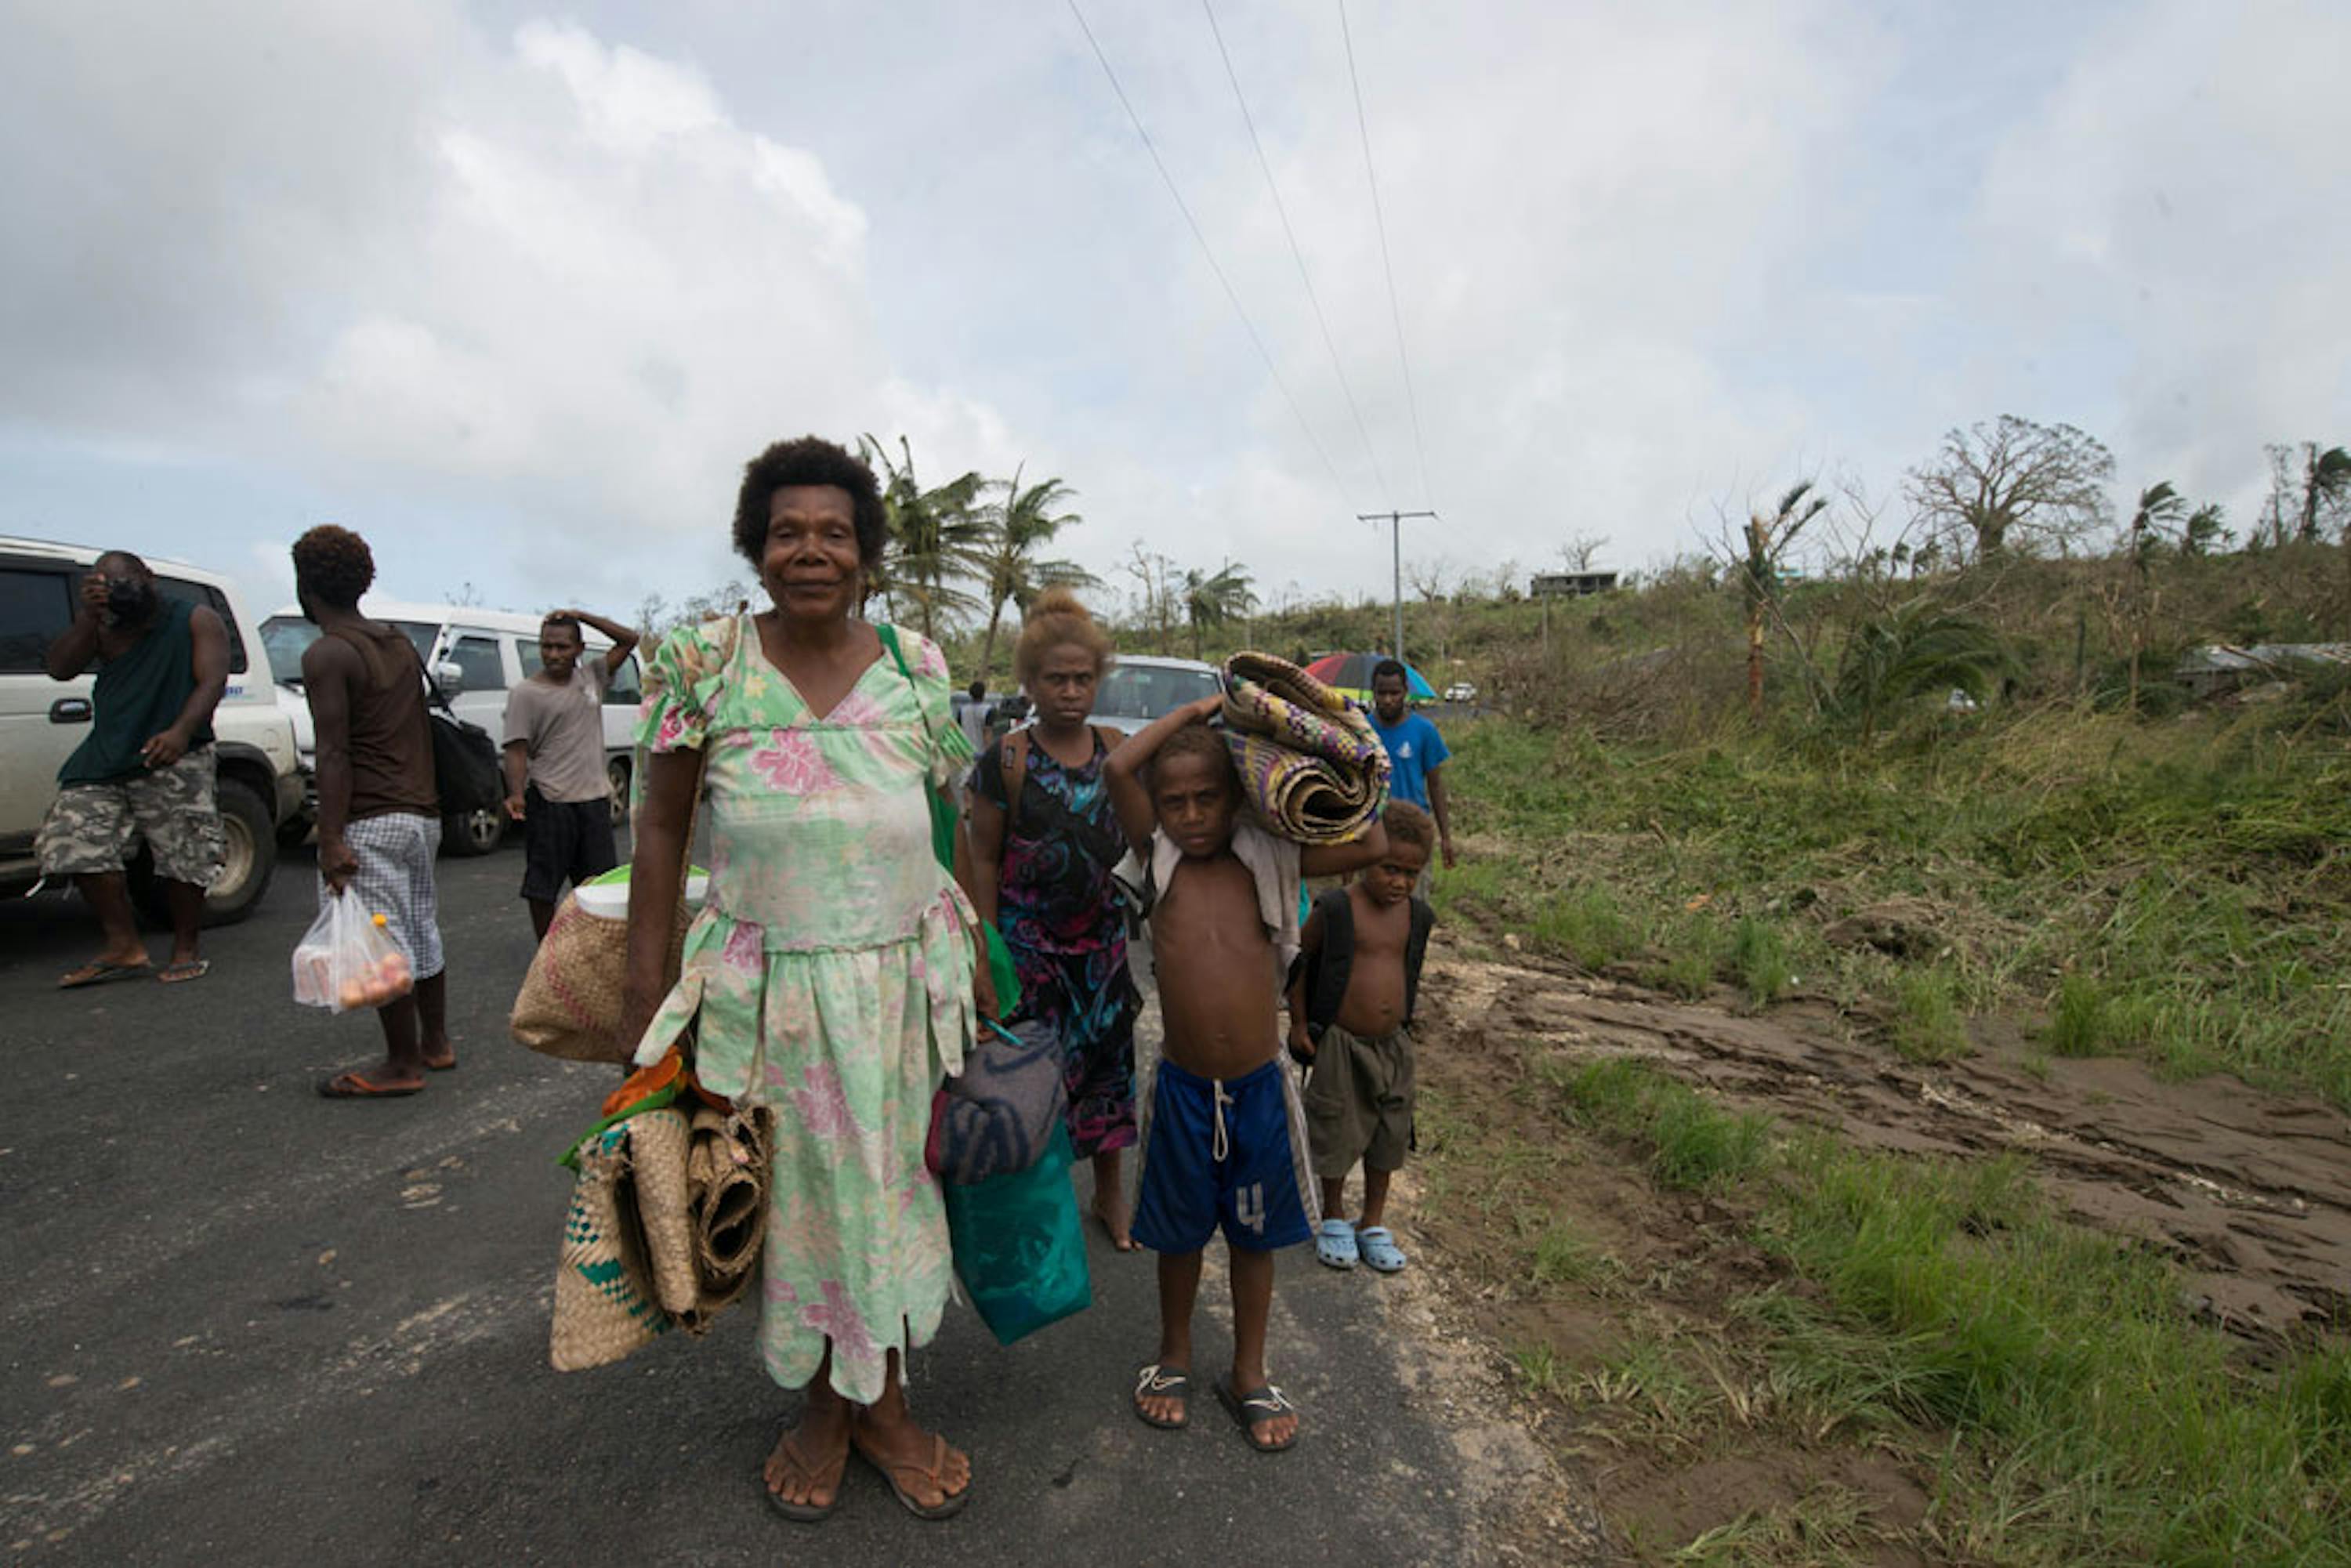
(146, 770)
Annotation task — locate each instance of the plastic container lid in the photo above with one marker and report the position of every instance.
(607, 896)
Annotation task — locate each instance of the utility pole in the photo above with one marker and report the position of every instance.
(1395, 545)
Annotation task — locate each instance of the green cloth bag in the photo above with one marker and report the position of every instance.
(943, 841)
(1019, 1249)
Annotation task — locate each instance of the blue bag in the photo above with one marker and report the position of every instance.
(1018, 1247)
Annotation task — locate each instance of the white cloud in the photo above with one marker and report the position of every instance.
(478, 290)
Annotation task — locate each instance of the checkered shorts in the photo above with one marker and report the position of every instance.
(395, 880)
(94, 829)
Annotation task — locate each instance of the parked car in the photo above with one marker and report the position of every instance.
(476, 657)
(42, 721)
(1461, 692)
(1141, 687)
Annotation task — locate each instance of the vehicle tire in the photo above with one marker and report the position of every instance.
(248, 861)
(473, 833)
(616, 773)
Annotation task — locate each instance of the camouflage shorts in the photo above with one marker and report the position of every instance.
(93, 829)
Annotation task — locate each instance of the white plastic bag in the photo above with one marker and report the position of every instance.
(349, 960)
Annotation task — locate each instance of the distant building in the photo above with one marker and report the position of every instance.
(2222, 667)
(1571, 584)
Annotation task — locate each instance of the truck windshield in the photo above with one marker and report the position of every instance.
(288, 637)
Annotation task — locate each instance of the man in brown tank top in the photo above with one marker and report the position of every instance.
(379, 813)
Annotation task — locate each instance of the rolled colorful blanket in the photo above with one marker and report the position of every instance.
(1312, 767)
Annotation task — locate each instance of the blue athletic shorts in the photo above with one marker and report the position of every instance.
(1228, 1152)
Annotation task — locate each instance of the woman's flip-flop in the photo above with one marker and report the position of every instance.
(1255, 1409)
(1379, 1249)
(1157, 1381)
(950, 1504)
(180, 974)
(818, 1478)
(1334, 1243)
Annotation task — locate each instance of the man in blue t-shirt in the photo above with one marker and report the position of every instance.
(1417, 753)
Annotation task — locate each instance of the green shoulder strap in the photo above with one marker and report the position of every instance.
(943, 837)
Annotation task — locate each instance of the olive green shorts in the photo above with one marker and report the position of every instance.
(1359, 1103)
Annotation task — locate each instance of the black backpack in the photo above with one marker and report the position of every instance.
(465, 769)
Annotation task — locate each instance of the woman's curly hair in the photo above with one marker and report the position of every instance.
(810, 460)
(1056, 620)
(333, 566)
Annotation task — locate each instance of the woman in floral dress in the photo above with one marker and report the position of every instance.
(832, 973)
(1042, 875)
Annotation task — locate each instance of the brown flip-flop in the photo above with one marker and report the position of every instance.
(816, 1475)
(182, 973)
(442, 1063)
(948, 1505)
(357, 1085)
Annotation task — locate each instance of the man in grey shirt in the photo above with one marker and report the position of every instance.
(556, 784)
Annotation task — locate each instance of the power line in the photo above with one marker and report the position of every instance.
(1193, 223)
(1395, 312)
(1296, 253)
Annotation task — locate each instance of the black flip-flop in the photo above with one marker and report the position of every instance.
(1162, 1382)
(1254, 1409)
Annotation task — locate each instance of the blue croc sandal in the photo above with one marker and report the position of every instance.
(1379, 1249)
(1334, 1243)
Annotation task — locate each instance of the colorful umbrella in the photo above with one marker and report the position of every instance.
(1350, 674)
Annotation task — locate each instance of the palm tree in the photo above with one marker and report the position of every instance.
(1020, 526)
(936, 537)
(2324, 475)
(1915, 648)
(1768, 539)
(1211, 600)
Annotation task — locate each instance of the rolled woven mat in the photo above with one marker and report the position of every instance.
(1312, 766)
(659, 1143)
(604, 1305)
(726, 1174)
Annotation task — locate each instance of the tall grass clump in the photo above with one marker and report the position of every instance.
(1695, 1143)
(1588, 926)
(1927, 1025)
(1758, 955)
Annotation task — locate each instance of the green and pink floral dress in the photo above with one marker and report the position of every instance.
(831, 971)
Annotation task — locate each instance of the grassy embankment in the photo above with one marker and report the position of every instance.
(2042, 1378)
(2098, 883)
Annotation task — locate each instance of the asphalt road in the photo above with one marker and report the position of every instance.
(247, 1325)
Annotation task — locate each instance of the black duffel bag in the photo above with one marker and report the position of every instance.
(465, 769)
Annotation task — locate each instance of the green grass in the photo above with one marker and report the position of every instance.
(1562, 1257)
(1758, 955)
(1538, 1368)
(1927, 1025)
(1694, 1145)
(2094, 1420)
(2187, 879)
(1586, 924)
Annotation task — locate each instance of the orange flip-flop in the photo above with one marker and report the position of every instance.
(356, 1085)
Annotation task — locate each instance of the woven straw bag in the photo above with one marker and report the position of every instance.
(664, 1230)
(570, 1004)
(604, 1302)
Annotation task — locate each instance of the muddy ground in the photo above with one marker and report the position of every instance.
(2249, 1193)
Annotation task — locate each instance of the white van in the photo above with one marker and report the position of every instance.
(42, 721)
(476, 657)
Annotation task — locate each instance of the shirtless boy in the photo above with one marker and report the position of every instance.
(1224, 1139)
(1351, 1005)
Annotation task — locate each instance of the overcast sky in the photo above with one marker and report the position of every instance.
(515, 292)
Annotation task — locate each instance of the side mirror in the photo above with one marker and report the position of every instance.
(448, 678)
